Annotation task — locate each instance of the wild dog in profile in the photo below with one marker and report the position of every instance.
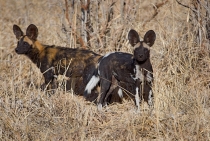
(54, 60)
(117, 68)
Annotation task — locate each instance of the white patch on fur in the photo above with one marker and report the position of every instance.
(146, 45)
(120, 93)
(150, 99)
(139, 74)
(91, 84)
(100, 107)
(137, 45)
(133, 75)
(98, 67)
(137, 98)
(107, 54)
(105, 104)
(98, 72)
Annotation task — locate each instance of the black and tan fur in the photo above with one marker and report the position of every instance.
(53, 60)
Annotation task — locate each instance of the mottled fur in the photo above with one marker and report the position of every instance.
(77, 64)
(132, 72)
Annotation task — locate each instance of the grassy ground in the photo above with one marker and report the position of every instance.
(181, 71)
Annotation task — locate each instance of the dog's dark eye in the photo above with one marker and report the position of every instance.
(25, 43)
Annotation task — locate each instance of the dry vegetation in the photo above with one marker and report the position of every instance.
(180, 58)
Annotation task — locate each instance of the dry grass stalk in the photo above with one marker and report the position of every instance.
(181, 71)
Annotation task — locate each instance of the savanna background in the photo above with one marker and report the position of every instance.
(180, 59)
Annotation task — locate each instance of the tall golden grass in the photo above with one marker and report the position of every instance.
(181, 71)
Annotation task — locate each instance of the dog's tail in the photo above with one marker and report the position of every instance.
(92, 83)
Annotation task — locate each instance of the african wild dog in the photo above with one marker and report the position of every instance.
(54, 60)
(117, 68)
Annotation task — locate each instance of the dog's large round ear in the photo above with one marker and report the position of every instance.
(149, 37)
(17, 31)
(133, 37)
(32, 31)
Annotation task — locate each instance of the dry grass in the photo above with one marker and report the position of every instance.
(181, 71)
